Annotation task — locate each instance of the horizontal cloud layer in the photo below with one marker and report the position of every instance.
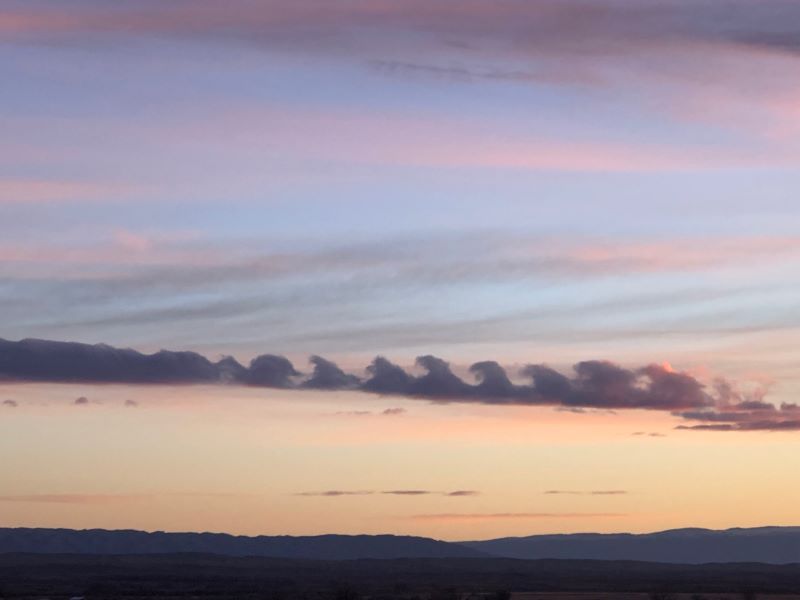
(593, 384)
(338, 493)
(560, 27)
(504, 516)
(746, 416)
(586, 492)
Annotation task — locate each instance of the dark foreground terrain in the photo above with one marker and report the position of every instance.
(208, 576)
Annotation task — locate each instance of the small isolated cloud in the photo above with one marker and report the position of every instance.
(585, 492)
(131, 403)
(654, 434)
(10, 403)
(336, 493)
(74, 498)
(511, 515)
(353, 413)
(392, 412)
(81, 401)
(462, 493)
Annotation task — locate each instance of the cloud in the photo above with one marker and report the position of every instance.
(464, 74)
(10, 403)
(703, 48)
(130, 403)
(336, 493)
(694, 52)
(104, 498)
(75, 498)
(746, 415)
(41, 360)
(462, 493)
(586, 493)
(81, 401)
(389, 412)
(36, 191)
(386, 378)
(510, 516)
(546, 28)
(328, 376)
(266, 370)
(592, 385)
(649, 434)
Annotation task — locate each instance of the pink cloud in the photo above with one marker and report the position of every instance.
(511, 516)
(42, 190)
(75, 498)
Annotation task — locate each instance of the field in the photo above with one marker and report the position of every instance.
(217, 577)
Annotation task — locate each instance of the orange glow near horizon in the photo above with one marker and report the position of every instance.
(159, 465)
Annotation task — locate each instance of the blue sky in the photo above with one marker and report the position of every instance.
(550, 183)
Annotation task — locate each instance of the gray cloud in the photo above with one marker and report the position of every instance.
(328, 376)
(504, 516)
(10, 403)
(566, 29)
(586, 492)
(81, 401)
(593, 385)
(331, 308)
(337, 493)
(747, 415)
(389, 412)
(471, 74)
(43, 360)
(267, 370)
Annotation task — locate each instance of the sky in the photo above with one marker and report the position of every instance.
(455, 269)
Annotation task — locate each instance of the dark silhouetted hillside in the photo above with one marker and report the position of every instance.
(777, 545)
(323, 547)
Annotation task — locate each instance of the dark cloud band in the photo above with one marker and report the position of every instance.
(593, 384)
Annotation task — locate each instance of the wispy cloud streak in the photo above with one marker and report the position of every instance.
(511, 516)
(586, 493)
(411, 493)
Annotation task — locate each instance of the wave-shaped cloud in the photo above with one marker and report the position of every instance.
(593, 384)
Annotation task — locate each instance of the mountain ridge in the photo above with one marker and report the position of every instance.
(690, 545)
(131, 541)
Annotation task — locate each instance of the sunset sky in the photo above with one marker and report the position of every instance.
(588, 208)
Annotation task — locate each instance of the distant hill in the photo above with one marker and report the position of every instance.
(776, 545)
(322, 547)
